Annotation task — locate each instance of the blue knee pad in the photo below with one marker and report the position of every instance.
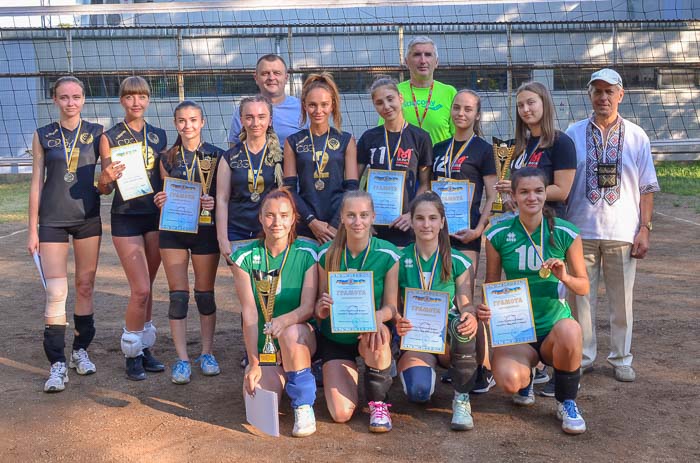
(301, 387)
(418, 383)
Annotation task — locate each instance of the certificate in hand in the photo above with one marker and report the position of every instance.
(386, 188)
(427, 312)
(134, 181)
(457, 196)
(180, 213)
(512, 321)
(353, 302)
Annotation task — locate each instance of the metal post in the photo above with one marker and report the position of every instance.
(614, 44)
(180, 67)
(69, 49)
(509, 77)
(291, 60)
(401, 52)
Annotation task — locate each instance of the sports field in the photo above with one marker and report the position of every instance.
(104, 417)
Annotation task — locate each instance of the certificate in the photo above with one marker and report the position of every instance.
(427, 312)
(134, 181)
(180, 212)
(512, 321)
(456, 196)
(386, 188)
(353, 302)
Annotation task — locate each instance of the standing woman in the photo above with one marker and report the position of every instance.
(467, 156)
(355, 249)
(396, 145)
(276, 283)
(63, 202)
(192, 159)
(247, 173)
(431, 264)
(538, 144)
(135, 224)
(320, 160)
(548, 252)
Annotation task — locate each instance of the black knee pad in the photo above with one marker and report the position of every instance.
(462, 363)
(178, 305)
(84, 331)
(206, 303)
(566, 384)
(54, 343)
(377, 384)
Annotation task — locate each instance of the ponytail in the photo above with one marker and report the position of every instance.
(325, 81)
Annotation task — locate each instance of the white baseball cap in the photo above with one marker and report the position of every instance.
(606, 75)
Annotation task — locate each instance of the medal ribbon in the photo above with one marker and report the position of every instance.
(319, 161)
(364, 259)
(398, 144)
(189, 173)
(527, 156)
(256, 173)
(206, 183)
(427, 104)
(540, 254)
(69, 153)
(448, 166)
(144, 148)
(269, 308)
(426, 285)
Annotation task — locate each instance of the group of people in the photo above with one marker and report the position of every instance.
(285, 205)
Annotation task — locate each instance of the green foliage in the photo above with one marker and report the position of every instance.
(14, 201)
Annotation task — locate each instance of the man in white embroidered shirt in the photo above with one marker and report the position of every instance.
(611, 202)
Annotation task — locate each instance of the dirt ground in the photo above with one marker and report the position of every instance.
(104, 417)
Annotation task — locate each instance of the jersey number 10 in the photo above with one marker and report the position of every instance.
(527, 256)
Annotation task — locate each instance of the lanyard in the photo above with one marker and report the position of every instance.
(319, 161)
(364, 259)
(69, 153)
(189, 173)
(527, 155)
(426, 285)
(256, 173)
(144, 149)
(427, 104)
(284, 260)
(450, 151)
(601, 157)
(538, 249)
(398, 144)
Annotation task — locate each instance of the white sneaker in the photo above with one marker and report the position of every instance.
(304, 421)
(58, 377)
(81, 362)
(379, 417)
(571, 420)
(461, 413)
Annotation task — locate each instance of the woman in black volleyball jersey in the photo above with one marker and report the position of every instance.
(194, 160)
(396, 145)
(63, 202)
(135, 223)
(321, 160)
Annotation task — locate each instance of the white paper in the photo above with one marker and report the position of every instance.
(37, 262)
(261, 411)
(134, 181)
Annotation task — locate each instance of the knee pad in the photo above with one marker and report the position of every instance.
(418, 383)
(54, 343)
(56, 295)
(462, 363)
(566, 384)
(148, 338)
(84, 331)
(206, 303)
(131, 343)
(377, 384)
(301, 387)
(178, 305)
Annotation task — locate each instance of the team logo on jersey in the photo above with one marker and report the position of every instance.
(403, 157)
(408, 262)
(510, 237)
(52, 133)
(256, 259)
(120, 134)
(333, 143)
(153, 138)
(86, 138)
(54, 143)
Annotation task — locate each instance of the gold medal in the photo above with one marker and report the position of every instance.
(319, 185)
(255, 196)
(69, 177)
(545, 273)
(205, 164)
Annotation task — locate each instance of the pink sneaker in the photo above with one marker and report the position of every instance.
(379, 418)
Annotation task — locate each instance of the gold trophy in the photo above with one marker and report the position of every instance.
(266, 289)
(207, 167)
(502, 153)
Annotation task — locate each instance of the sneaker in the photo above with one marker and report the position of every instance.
(461, 413)
(541, 375)
(244, 360)
(379, 418)
(484, 380)
(317, 371)
(150, 363)
(134, 369)
(304, 421)
(208, 364)
(548, 389)
(625, 373)
(181, 372)
(58, 377)
(525, 396)
(81, 362)
(571, 419)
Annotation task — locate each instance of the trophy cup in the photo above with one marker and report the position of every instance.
(207, 167)
(502, 153)
(266, 289)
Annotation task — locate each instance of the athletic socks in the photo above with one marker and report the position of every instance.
(566, 384)
(84, 331)
(54, 343)
(377, 384)
(301, 387)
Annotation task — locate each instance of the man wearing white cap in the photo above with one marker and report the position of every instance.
(611, 202)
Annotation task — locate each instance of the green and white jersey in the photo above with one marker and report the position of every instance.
(519, 259)
(302, 256)
(381, 256)
(409, 272)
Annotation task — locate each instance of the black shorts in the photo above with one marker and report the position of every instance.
(134, 225)
(538, 345)
(204, 242)
(328, 349)
(91, 227)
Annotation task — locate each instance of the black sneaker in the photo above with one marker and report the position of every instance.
(541, 376)
(548, 389)
(134, 368)
(484, 381)
(150, 363)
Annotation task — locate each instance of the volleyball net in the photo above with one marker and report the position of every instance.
(206, 51)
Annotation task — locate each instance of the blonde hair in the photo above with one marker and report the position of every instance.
(134, 85)
(274, 150)
(337, 247)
